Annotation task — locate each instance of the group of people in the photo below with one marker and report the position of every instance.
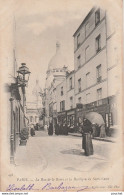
(60, 129)
(88, 131)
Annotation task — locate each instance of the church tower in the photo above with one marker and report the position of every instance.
(56, 73)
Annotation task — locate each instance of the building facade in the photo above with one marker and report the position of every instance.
(56, 74)
(70, 99)
(94, 67)
(89, 87)
(13, 93)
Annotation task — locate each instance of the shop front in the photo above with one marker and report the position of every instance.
(71, 116)
(62, 117)
(102, 108)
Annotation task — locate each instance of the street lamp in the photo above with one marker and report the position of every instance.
(23, 74)
(22, 79)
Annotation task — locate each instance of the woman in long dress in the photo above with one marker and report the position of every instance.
(86, 137)
(32, 131)
(50, 129)
(57, 129)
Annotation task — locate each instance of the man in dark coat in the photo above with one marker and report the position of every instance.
(61, 129)
(50, 129)
(57, 129)
(65, 129)
(86, 137)
(32, 131)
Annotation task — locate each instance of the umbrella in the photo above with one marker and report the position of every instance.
(95, 117)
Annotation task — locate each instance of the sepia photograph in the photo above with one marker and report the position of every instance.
(61, 96)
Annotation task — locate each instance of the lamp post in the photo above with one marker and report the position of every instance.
(22, 79)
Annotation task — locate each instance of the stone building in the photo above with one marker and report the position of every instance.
(34, 107)
(89, 87)
(95, 61)
(13, 93)
(56, 73)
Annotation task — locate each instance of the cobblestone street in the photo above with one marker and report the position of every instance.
(54, 154)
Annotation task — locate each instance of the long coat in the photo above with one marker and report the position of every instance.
(86, 138)
(32, 131)
(61, 129)
(57, 129)
(50, 129)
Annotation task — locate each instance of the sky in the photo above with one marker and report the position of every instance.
(39, 25)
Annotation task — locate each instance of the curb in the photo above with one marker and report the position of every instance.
(95, 138)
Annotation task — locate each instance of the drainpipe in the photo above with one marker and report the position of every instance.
(12, 134)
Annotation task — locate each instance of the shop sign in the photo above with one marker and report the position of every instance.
(55, 114)
(61, 113)
(71, 112)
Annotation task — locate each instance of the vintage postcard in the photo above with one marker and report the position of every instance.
(61, 96)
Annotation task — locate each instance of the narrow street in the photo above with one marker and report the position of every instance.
(54, 154)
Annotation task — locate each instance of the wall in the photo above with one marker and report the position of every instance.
(59, 96)
(70, 92)
(81, 30)
(90, 41)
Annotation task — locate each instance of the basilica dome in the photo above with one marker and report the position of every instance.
(58, 60)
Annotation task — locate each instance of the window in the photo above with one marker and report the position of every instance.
(87, 53)
(71, 102)
(98, 73)
(79, 61)
(62, 105)
(61, 91)
(70, 83)
(35, 118)
(97, 17)
(99, 96)
(31, 118)
(79, 100)
(88, 98)
(79, 85)
(98, 43)
(86, 29)
(88, 79)
(78, 40)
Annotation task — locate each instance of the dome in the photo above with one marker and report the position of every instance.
(37, 91)
(58, 60)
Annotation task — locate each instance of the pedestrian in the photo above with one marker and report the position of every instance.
(94, 129)
(65, 129)
(61, 129)
(45, 127)
(86, 137)
(32, 131)
(57, 129)
(50, 129)
(97, 130)
(102, 131)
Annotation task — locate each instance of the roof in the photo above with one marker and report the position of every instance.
(86, 18)
(58, 61)
(70, 73)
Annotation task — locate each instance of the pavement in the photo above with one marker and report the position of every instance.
(53, 155)
(106, 139)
